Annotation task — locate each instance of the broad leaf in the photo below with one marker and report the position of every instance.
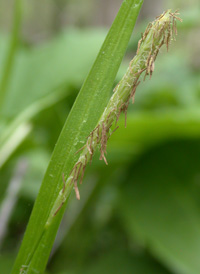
(160, 205)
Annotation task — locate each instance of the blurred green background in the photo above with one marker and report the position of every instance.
(141, 213)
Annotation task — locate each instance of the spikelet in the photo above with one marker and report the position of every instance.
(158, 33)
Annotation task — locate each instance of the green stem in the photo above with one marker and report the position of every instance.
(10, 57)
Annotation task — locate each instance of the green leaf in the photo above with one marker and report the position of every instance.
(159, 126)
(120, 261)
(61, 62)
(160, 205)
(60, 58)
(84, 115)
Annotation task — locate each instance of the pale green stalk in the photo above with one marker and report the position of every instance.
(158, 33)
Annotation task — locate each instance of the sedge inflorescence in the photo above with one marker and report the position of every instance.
(158, 33)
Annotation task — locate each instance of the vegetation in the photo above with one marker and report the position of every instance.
(141, 212)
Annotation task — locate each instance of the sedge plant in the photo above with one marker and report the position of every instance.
(91, 122)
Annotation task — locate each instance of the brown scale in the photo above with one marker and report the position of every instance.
(122, 108)
(148, 58)
(150, 65)
(90, 141)
(132, 95)
(174, 15)
(77, 171)
(108, 127)
(118, 115)
(88, 146)
(161, 16)
(151, 58)
(74, 169)
(161, 32)
(139, 72)
(98, 134)
(80, 149)
(107, 119)
(147, 31)
(168, 36)
(58, 208)
(139, 44)
(174, 28)
(144, 35)
(162, 43)
(103, 143)
(75, 178)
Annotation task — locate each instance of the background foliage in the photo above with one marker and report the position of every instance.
(141, 214)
